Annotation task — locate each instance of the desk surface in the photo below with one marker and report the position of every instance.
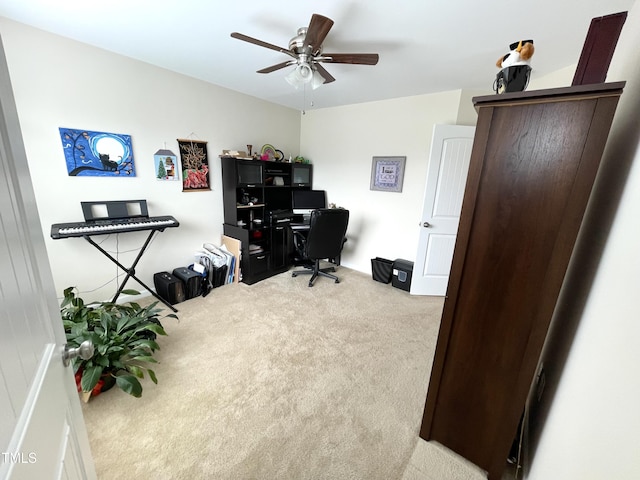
(300, 222)
(299, 226)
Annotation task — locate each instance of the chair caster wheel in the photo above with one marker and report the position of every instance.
(337, 281)
(310, 284)
(294, 274)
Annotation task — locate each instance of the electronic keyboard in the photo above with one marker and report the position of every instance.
(107, 226)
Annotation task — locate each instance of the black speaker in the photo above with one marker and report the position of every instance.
(192, 281)
(169, 287)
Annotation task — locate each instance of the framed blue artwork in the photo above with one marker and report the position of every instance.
(97, 154)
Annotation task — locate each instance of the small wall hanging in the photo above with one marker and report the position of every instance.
(195, 165)
(166, 164)
(101, 154)
(387, 173)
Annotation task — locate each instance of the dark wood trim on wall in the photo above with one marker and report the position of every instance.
(598, 48)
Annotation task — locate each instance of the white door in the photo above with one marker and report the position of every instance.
(446, 178)
(42, 432)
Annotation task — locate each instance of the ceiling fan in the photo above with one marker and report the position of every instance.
(305, 50)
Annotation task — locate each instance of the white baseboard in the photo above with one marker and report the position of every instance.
(133, 298)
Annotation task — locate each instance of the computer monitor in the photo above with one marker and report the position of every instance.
(303, 202)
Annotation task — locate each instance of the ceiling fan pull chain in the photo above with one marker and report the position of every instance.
(304, 99)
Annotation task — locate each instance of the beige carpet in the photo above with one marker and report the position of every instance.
(277, 381)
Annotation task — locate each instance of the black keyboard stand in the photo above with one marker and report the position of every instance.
(131, 271)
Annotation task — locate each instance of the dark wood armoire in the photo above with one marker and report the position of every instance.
(534, 161)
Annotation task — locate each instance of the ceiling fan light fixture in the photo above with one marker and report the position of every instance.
(317, 80)
(305, 72)
(301, 75)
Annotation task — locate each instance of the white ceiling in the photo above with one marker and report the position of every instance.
(425, 46)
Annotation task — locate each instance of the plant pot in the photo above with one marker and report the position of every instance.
(106, 382)
(109, 381)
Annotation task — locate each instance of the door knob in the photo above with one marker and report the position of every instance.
(426, 224)
(84, 351)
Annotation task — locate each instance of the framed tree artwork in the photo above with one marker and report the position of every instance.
(166, 165)
(195, 165)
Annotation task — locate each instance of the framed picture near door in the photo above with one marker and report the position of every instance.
(387, 173)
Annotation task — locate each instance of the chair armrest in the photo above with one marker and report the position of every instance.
(299, 237)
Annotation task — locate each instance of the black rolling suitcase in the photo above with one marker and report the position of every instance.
(192, 281)
(169, 287)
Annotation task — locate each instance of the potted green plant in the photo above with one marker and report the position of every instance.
(124, 339)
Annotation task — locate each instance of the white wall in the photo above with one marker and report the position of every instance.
(592, 429)
(559, 78)
(58, 82)
(341, 142)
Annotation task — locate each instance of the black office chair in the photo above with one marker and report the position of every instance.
(324, 240)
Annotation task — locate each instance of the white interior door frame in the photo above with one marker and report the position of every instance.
(444, 189)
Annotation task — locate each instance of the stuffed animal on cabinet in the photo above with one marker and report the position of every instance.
(520, 54)
(514, 68)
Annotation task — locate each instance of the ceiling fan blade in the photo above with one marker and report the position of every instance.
(317, 31)
(328, 78)
(255, 41)
(353, 58)
(273, 68)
